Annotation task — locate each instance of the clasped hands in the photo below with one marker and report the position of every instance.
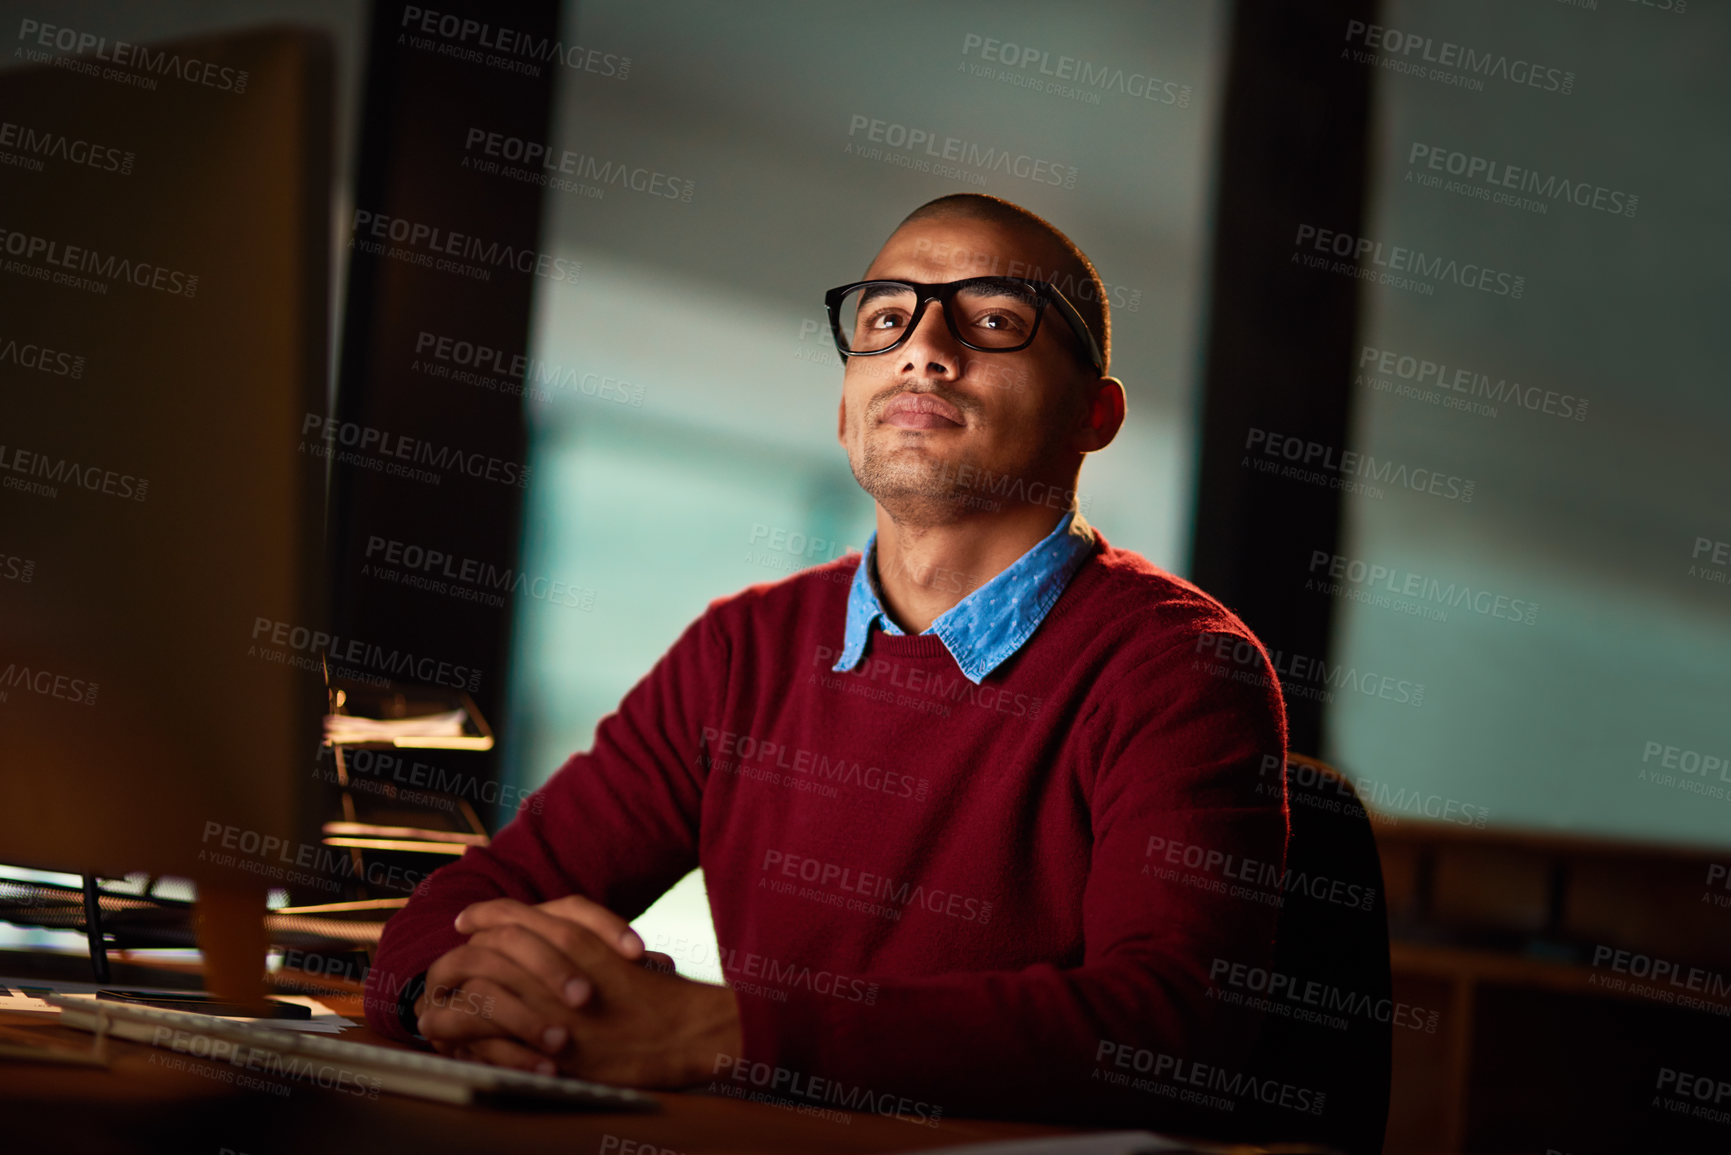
(567, 987)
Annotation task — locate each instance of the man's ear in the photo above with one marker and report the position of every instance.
(1103, 415)
(841, 420)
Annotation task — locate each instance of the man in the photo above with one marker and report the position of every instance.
(967, 806)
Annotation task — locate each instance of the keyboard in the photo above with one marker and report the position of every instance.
(270, 1053)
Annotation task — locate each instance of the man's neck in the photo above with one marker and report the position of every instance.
(925, 570)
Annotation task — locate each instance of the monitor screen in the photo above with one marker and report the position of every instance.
(164, 263)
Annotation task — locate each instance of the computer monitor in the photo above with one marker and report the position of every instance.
(165, 249)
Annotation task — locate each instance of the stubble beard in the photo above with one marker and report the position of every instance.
(919, 485)
(927, 489)
(918, 488)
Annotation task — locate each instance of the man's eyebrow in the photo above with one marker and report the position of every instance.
(880, 289)
(1008, 286)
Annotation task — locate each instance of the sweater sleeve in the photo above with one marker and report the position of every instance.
(1175, 776)
(618, 824)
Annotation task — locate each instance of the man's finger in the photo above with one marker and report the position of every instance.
(608, 927)
(582, 946)
(484, 1010)
(548, 963)
(470, 962)
(590, 915)
(505, 1053)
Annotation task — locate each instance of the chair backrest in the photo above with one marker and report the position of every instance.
(1329, 1026)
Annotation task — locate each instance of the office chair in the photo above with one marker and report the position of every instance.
(1343, 946)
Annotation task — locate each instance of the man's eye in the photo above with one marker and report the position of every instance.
(884, 320)
(999, 321)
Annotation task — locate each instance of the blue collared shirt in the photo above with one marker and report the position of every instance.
(985, 628)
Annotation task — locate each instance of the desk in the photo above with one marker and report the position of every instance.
(151, 1099)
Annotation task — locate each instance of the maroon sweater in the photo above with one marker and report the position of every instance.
(987, 899)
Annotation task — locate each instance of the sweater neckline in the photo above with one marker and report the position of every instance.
(929, 646)
(905, 645)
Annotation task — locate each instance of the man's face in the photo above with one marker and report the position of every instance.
(933, 428)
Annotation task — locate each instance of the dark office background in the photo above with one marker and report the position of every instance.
(1557, 668)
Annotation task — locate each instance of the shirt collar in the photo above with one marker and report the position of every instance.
(985, 628)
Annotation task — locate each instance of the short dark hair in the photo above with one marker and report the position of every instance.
(1075, 277)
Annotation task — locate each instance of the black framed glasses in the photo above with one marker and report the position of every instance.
(988, 314)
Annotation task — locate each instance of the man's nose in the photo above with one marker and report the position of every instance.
(930, 345)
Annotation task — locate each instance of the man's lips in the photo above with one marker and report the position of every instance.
(921, 411)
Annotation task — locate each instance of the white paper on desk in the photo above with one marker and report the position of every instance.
(13, 999)
(323, 1022)
(352, 728)
(25, 994)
